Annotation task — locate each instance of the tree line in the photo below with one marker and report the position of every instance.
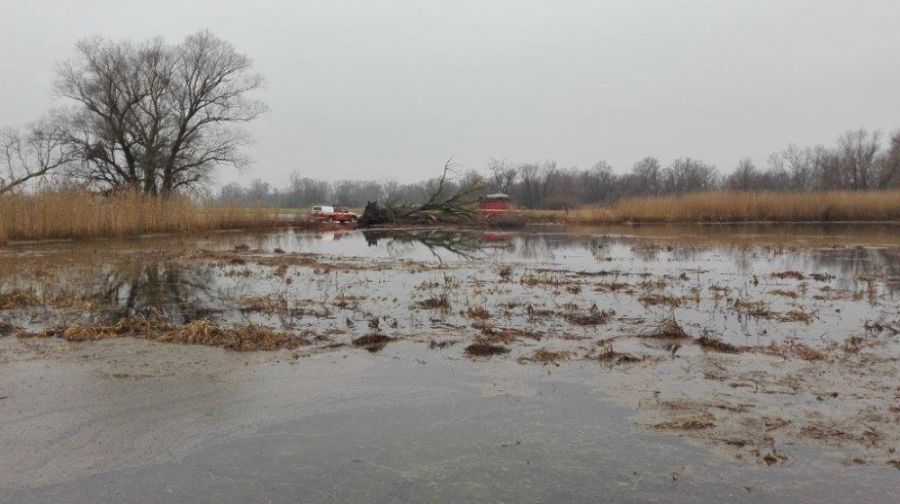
(859, 160)
(161, 118)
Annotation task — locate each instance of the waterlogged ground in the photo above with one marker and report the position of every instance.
(669, 364)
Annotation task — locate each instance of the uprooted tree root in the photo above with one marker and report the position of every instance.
(241, 338)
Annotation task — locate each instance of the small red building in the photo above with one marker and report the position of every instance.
(495, 204)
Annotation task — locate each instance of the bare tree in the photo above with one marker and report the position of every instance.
(688, 175)
(889, 167)
(744, 178)
(648, 174)
(502, 175)
(597, 183)
(858, 150)
(31, 155)
(155, 117)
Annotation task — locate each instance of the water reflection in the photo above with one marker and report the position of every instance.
(178, 293)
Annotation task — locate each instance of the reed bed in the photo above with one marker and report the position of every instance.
(835, 206)
(61, 215)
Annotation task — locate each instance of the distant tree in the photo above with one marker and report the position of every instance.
(648, 176)
(155, 117)
(744, 178)
(688, 175)
(304, 191)
(32, 154)
(502, 175)
(536, 182)
(597, 184)
(889, 167)
(858, 152)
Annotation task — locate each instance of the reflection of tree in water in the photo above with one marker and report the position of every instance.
(462, 244)
(178, 293)
(849, 263)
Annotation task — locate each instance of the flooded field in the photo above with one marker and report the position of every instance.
(631, 364)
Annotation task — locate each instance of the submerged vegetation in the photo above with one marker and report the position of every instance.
(770, 353)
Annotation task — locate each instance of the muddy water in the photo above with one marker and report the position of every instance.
(805, 407)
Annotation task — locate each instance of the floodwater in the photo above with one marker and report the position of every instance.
(779, 385)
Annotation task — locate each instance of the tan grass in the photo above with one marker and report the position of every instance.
(749, 207)
(59, 215)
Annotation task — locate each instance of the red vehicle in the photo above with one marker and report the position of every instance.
(333, 214)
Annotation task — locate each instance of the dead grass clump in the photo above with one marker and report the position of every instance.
(545, 278)
(795, 316)
(611, 286)
(372, 342)
(796, 275)
(755, 309)
(806, 352)
(608, 355)
(479, 312)
(482, 349)
(434, 344)
(139, 326)
(505, 334)
(595, 316)
(18, 299)
(689, 423)
(785, 293)
(660, 299)
(441, 302)
(708, 342)
(667, 328)
(545, 356)
(271, 304)
(505, 272)
(241, 338)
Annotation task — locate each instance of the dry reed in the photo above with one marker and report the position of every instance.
(60, 215)
(832, 206)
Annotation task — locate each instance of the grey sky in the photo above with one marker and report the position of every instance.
(390, 89)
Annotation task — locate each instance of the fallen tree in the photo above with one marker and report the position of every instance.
(441, 208)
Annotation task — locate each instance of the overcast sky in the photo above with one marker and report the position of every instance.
(391, 88)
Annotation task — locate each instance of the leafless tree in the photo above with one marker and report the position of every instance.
(688, 175)
(648, 175)
(596, 184)
(502, 175)
(156, 117)
(32, 154)
(744, 178)
(889, 171)
(858, 150)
